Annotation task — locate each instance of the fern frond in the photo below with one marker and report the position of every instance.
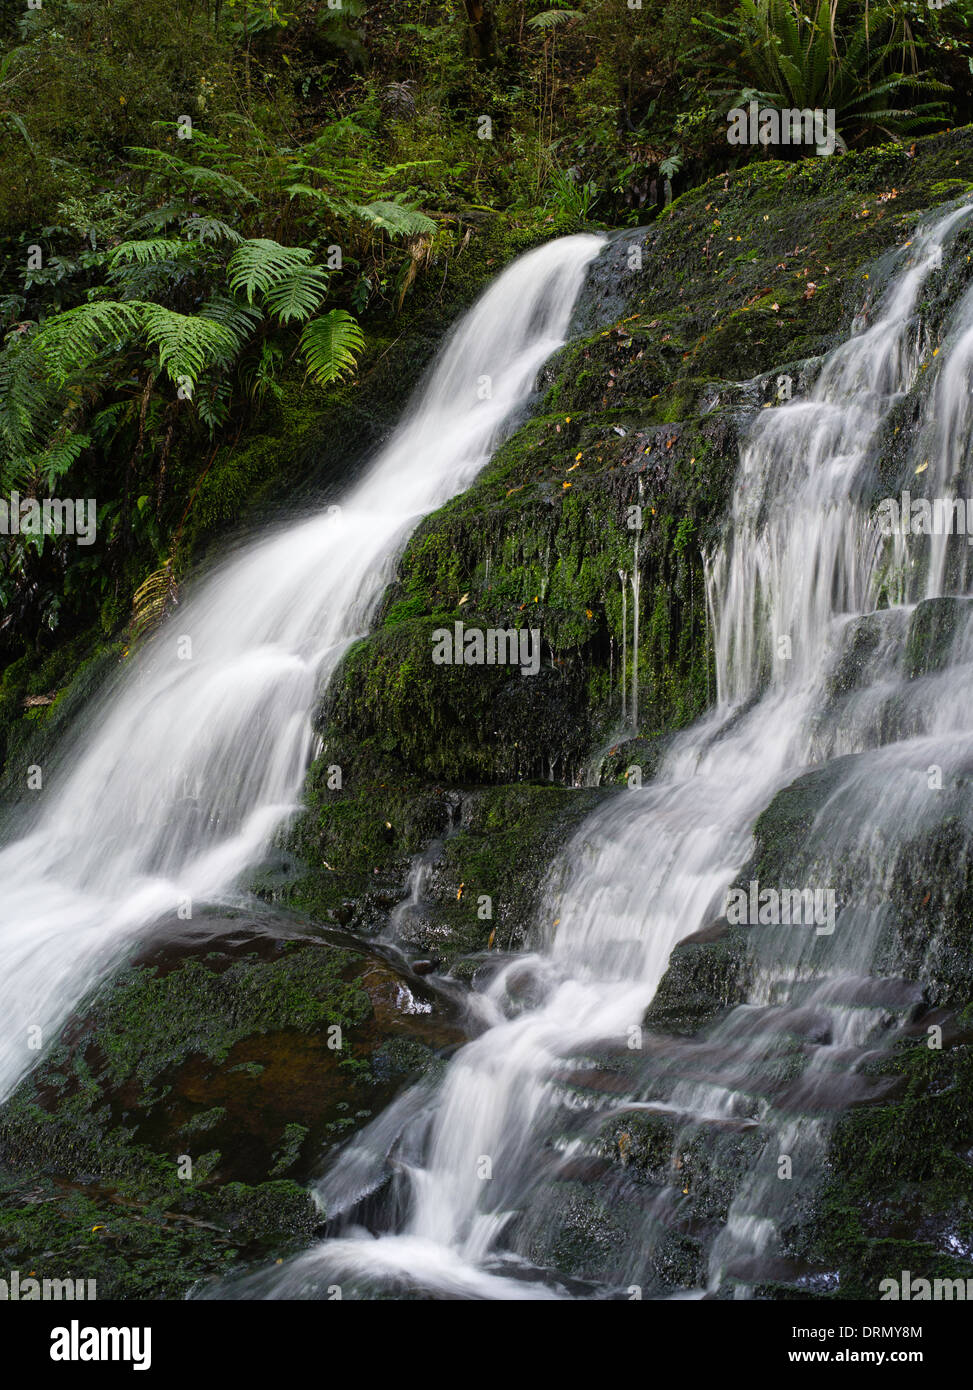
(59, 454)
(188, 344)
(152, 601)
(150, 252)
(331, 345)
(261, 264)
(157, 219)
(550, 19)
(240, 319)
(68, 342)
(24, 395)
(395, 218)
(337, 205)
(298, 295)
(213, 404)
(203, 229)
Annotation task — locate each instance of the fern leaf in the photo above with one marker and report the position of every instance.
(299, 294)
(187, 344)
(331, 345)
(58, 456)
(396, 219)
(68, 342)
(203, 229)
(240, 319)
(549, 19)
(152, 601)
(260, 264)
(150, 252)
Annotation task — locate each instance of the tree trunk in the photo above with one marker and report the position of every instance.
(482, 33)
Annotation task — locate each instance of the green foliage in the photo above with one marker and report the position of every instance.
(71, 341)
(833, 58)
(551, 19)
(572, 196)
(261, 265)
(298, 295)
(187, 344)
(395, 219)
(331, 345)
(26, 398)
(149, 252)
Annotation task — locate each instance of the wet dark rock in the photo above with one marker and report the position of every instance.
(706, 974)
(207, 1070)
(931, 633)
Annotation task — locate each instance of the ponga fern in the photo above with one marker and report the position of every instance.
(331, 345)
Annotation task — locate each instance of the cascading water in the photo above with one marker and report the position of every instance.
(196, 758)
(797, 579)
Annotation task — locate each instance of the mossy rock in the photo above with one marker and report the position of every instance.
(193, 1089)
(707, 974)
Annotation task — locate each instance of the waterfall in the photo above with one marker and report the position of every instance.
(472, 1160)
(220, 703)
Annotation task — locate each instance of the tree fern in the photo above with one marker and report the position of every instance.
(331, 345)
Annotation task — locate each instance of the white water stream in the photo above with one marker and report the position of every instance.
(192, 762)
(800, 562)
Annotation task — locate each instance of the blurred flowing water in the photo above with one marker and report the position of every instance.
(461, 1189)
(179, 780)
